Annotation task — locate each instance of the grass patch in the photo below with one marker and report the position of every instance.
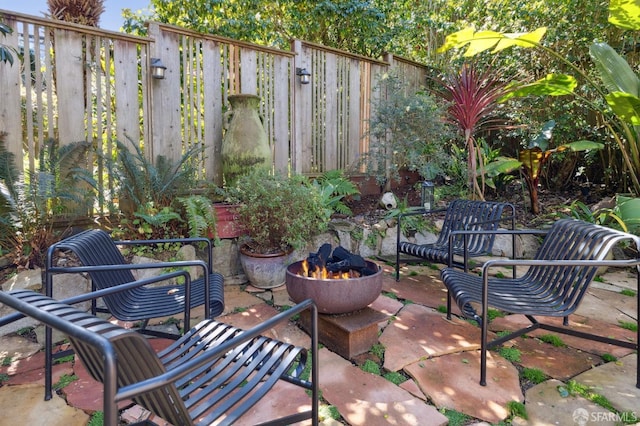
(413, 273)
(64, 359)
(64, 381)
(6, 361)
(627, 292)
(510, 354)
(533, 375)
(239, 309)
(395, 377)
(456, 418)
(628, 325)
(499, 275)
(328, 412)
(370, 367)
(494, 313)
(599, 279)
(552, 339)
(442, 309)
(587, 392)
(97, 419)
(608, 358)
(390, 295)
(517, 409)
(24, 331)
(4, 378)
(377, 350)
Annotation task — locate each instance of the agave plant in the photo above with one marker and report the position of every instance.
(473, 97)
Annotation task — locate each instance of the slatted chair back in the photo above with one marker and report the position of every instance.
(460, 215)
(468, 215)
(95, 248)
(570, 240)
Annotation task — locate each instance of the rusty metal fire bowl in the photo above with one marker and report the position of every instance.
(334, 296)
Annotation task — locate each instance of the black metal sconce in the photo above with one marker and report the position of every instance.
(157, 68)
(305, 76)
(427, 195)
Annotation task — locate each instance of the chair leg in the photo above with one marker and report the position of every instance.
(483, 352)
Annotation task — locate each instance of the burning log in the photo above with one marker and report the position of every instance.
(338, 263)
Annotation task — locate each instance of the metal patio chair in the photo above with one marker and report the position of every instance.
(553, 286)
(107, 268)
(214, 373)
(460, 215)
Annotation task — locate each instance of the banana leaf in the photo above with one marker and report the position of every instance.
(628, 209)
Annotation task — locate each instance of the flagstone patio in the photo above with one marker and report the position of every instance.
(439, 357)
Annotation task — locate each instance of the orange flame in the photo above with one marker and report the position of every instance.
(324, 274)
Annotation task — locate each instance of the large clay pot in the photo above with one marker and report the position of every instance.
(264, 270)
(245, 145)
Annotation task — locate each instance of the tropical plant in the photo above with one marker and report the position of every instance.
(533, 158)
(407, 131)
(472, 97)
(619, 108)
(277, 212)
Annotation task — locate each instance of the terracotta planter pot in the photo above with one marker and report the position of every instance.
(227, 225)
(265, 270)
(336, 296)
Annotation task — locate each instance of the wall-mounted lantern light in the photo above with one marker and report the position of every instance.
(157, 68)
(427, 195)
(305, 76)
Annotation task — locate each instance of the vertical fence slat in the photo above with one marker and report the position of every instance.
(126, 92)
(10, 119)
(69, 68)
(282, 116)
(212, 75)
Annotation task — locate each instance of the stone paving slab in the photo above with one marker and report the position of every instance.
(546, 407)
(617, 382)
(622, 308)
(560, 363)
(367, 399)
(25, 405)
(453, 381)
(419, 332)
(425, 290)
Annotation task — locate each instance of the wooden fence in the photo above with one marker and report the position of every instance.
(77, 83)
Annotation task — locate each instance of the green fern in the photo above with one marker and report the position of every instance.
(201, 216)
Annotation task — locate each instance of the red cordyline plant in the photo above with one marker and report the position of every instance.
(473, 99)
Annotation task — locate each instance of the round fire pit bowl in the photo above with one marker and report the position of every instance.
(334, 296)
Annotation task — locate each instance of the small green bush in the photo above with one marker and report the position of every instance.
(395, 377)
(510, 354)
(533, 375)
(554, 340)
(370, 367)
(627, 325)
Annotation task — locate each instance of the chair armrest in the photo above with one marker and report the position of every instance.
(7, 319)
(513, 232)
(188, 367)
